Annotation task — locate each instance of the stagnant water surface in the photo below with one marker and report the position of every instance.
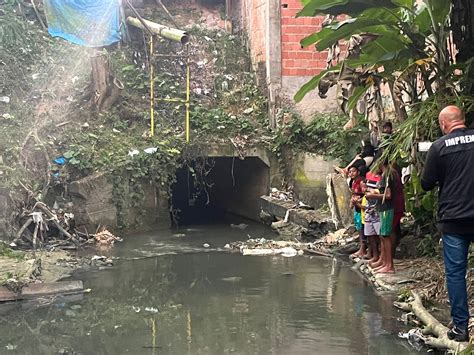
(167, 294)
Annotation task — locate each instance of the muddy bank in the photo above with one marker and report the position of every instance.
(18, 269)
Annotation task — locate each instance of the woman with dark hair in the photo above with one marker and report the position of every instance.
(361, 161)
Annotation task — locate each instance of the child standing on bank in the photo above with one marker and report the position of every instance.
(372, 218)
(361, 204)
(356, 189)
(385, 196)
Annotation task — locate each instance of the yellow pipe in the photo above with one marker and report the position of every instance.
(152, 91)
(188, 76)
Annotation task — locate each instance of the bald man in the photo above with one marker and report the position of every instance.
(450, 165)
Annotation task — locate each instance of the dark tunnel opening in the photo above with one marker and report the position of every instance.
(211, 190)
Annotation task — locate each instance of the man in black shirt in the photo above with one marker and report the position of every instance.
(450, 164)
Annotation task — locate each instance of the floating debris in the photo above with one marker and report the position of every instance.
(106, 238)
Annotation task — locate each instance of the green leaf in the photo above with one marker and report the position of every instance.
(313, 7)
(338, 7)
(428, 202)
(345, 31)
(439, 10)
(69, 154)
(404, 3)
(313, 83)
(422, 21)
(74, 161)
(356, 95)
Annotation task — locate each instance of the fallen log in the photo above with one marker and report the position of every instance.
(41, 289)
(440, 339)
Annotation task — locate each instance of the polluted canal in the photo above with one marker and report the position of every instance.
(167, 293)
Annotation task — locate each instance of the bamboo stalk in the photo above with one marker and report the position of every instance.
(152, 91)
(163, 31)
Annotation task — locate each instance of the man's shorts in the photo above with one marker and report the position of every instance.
(371, 228)
(357, 220)
(386, 221)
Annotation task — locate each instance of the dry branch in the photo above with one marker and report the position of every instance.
(54, 219)
(432, 325)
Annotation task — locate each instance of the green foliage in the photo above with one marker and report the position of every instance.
(108, 152)
(396, 31)
(323, 135)
(6, 251)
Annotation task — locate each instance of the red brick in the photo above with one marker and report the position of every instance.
(285, 72)
(289, 46)
(289, 12)
(301, 72)
(288, 63)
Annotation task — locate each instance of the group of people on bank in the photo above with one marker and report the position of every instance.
(378, 202)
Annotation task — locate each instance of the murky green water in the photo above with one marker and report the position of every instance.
(168, 295)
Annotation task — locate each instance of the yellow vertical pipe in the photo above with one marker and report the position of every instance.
(188, 88)
(152, 91)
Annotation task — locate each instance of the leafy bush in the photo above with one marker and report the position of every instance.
(323, 136)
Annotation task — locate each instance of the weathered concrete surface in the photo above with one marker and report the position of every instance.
(309, 174)
(316, 222)
(312, 103)
(238, 184)
(92, 199)
(5, 214)
(41, 289)
(93, 205)
(339, 199)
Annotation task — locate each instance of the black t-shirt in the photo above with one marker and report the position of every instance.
(450, 164)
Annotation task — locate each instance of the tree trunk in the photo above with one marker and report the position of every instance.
(105, 88)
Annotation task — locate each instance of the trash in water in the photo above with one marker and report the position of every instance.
(231, 279)
(5, 99)
(239, 226)
(151, 309)
(136, 309)
(11, 347)
(288, 252)
(205, 245)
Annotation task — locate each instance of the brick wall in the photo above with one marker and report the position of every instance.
(295, 60)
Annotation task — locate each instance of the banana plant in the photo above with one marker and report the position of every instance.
(405, 44)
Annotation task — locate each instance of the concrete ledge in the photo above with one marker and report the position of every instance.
(309, 219)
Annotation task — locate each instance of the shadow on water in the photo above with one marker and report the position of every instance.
(170, 295)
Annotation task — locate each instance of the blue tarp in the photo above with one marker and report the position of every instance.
(91, 23)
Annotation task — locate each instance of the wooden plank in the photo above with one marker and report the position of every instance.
(42, 289)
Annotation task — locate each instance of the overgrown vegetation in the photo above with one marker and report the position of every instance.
(323, 136)
(58, 122)
(402, 45)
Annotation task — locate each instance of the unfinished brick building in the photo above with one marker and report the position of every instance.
(274, 34)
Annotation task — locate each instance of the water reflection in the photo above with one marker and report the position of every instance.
(210, 303)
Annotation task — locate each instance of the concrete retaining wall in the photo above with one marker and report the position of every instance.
(93, 205)
(309, 174)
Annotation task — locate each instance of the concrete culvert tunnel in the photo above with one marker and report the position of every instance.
(232, 187)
